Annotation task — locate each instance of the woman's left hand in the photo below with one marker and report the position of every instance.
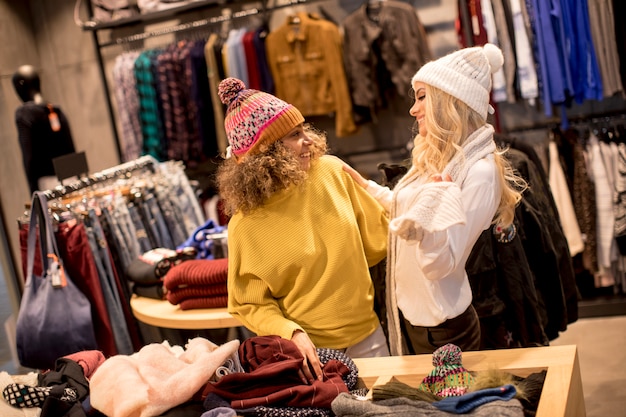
(440, 178)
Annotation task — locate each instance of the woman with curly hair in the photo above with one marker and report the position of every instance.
(459, 184)
(302, 235)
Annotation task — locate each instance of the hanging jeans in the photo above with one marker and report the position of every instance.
(141, 234)
(154, 221)
(108, 281)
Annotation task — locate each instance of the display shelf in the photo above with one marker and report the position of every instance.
(153, 17)
(561, 395)
(162, 313)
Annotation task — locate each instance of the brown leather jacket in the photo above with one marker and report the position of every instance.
(305, 56)
(391, 35)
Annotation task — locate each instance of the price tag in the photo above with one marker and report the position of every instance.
(56, 272)
(53, 118)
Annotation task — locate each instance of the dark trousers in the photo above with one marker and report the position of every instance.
(463, 331)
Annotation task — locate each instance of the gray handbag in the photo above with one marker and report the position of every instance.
(54, 319)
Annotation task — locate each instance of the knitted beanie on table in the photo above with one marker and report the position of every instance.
(448, 377)
(254, 117)
(464, 74)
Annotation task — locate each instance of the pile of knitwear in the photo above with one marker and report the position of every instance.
(198, 283)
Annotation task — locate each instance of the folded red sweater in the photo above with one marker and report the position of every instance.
(197, 272)
(196, 291)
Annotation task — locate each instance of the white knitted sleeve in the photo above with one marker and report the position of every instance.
(437, 207)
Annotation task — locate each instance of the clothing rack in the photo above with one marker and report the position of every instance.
(156, 17)
(117, 171)
(572, 121)
(196, 24)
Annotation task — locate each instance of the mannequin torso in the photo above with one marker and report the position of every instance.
(43, 130)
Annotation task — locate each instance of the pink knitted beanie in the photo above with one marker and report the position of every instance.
(254, 117)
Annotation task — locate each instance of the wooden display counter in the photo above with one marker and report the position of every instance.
(162, 313)
(562, 393)
(561, 396)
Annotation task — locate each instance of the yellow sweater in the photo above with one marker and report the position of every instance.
(301, 261)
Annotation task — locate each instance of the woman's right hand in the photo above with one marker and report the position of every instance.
(356, 176)
(311, 366)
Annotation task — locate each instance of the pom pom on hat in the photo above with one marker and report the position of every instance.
(254, 117)
(465, 74)
(448, 377)
(229, 88)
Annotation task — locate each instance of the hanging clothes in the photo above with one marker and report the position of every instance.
(127, 97)
(563, 200)
(306, 58)
(98, 237)
(384, 45)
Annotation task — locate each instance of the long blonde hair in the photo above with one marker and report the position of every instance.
(247, 183)
(450, 121)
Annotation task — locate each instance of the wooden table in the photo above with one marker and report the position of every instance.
(162, 313)
(562, 393)
(561, 396)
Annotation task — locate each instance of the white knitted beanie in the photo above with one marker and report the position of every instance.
(464, 74)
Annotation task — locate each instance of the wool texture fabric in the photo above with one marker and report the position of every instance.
(219, 301)
(438, 204)
(448, 378)
(464, 74)
(89, 360)
(466, 403)
(197, 291)
(353, 223)
(156, 378)
(395, 388)
(346, 405)
(197, 272)
(198, 283)
(253, 117)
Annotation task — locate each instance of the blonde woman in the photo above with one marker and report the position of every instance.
(459, 185)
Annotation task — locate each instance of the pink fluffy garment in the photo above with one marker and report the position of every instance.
(157, 378)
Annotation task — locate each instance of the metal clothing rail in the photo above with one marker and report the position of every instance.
(592, 118)
(201, 23)
(118, 171)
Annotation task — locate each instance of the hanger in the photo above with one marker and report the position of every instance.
(373, 9)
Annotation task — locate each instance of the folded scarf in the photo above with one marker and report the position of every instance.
(437, 205)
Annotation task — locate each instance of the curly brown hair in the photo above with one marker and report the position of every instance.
(247, 183)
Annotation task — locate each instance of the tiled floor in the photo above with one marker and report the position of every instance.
(601, 345)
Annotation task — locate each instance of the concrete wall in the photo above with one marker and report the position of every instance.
(42, 33)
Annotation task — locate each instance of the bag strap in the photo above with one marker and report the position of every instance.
(47, 242)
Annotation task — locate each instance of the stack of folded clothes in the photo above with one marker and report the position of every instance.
(198, 283)
(145, 274)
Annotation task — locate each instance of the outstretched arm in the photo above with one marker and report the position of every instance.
(356, 176)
